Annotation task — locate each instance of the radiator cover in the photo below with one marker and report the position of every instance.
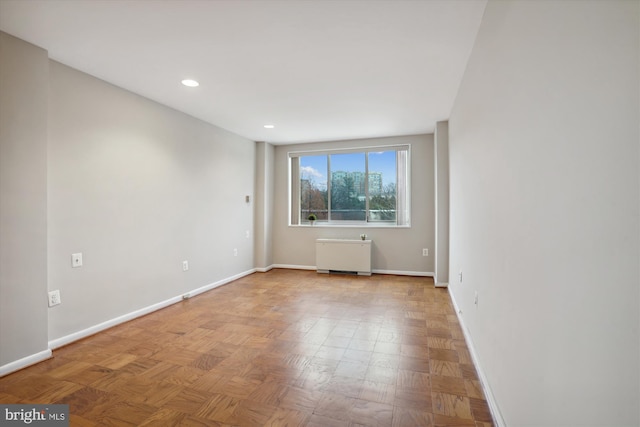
(344, 255)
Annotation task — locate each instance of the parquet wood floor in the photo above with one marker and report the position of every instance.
(283, 348)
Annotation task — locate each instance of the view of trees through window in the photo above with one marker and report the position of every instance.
(349, 187)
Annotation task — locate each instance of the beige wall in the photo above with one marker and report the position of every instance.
(441, 155)
(138, 188)
(23, 200)
(264, 188)
(394, 249)
(545, 210)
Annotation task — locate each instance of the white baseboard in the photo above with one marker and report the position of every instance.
(264, 269)
(68, 339)
(220, 282)
(294, 267)
(491, 400)
(92, 330)
(441, 285)
(404, 273)
(313, 267)
(24, 362)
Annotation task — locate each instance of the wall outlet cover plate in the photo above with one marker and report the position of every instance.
(76, 260)
(54, 298)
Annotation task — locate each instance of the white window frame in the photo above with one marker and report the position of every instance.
(403, 213)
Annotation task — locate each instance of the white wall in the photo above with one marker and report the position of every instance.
(138, 188)
(23, 202)
(545, 210)
(394, 249)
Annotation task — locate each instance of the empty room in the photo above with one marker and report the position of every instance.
(320, 213)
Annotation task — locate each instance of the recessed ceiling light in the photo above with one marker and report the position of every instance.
(269, 126)
(190, 83)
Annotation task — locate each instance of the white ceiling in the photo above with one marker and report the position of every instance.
(317, 70)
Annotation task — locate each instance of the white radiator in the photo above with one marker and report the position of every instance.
(343, 255)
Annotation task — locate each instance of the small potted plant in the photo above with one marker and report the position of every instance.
(363, 237)
(312, 218)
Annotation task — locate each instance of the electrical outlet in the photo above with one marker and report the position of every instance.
(185, 265)
(425, 252)
(54, 298)
(248, 234)
(76, 260)
(460, 276)
(475, 298)
(235, 252)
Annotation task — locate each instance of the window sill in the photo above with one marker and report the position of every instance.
(349, 225)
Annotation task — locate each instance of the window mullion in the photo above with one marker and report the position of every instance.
(328, 188)
(366, 187)
(295, 191)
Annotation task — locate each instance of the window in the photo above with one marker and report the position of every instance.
(351, 186)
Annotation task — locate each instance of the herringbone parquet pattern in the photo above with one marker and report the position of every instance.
(283, 348)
